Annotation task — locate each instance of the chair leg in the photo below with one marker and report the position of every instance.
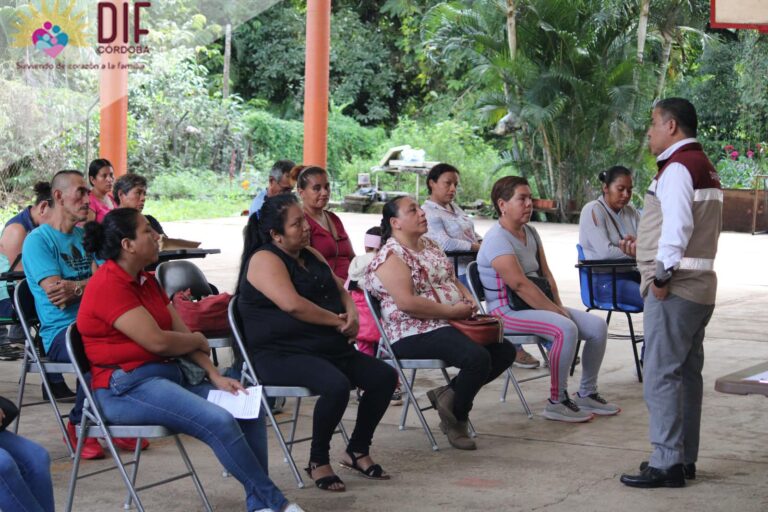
(343, 432)
(287, 457)
(505, 387)
(193, 474)
(410, 397)
(407, 403)
(75, 467)
(214, 357)
(134, 472)
(120, 468)
(56, 411)
(20, 396)
(633, 340)
(523, 401)
(294, 422)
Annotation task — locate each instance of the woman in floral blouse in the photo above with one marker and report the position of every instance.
(419, 293)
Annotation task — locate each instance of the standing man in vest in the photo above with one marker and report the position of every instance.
(675, 249)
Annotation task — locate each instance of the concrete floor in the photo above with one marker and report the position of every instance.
(520, 464)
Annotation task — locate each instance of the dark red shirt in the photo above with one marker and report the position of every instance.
(110, 293)
(337, 251)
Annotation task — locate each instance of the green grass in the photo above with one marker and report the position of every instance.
(190, 209)
(173, 209)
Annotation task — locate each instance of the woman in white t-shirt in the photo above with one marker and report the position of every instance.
(511, 253)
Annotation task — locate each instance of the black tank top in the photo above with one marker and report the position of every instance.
(267, 327)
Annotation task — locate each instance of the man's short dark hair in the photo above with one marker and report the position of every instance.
(682, 111)
(58, 178)
(281, 168)
(126, 183)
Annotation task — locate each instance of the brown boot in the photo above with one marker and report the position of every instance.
(442, 400)
(458, 435)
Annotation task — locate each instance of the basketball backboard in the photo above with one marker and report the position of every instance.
(743, 14)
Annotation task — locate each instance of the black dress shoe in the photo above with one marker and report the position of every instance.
(61, 392)
(689, 470)
(651, 477)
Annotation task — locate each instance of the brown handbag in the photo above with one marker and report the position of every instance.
(482, 329)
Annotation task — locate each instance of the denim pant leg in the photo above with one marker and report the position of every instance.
(25, 475)
(255, 430)
(58, 353)
(160, 401)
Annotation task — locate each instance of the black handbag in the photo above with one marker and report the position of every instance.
(515, 301)
(10, 412)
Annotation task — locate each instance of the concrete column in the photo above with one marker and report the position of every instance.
(316, 78)
(113, 94)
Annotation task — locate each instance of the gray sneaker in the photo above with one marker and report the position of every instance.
(596, 404)
(567, 411)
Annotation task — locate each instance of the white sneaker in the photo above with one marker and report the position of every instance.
(292, 507)
(567, 411)
(596, 404)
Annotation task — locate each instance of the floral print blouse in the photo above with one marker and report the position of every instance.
(431, 272)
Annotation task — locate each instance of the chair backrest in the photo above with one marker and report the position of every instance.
(584, 281)
(242, 359)
(24, 304)
(375, 306)
(178, 275)
(475, 286)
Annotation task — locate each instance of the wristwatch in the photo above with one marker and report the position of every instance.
(663, 275)
(78, 288)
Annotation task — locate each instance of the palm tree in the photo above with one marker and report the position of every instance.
(572, 81)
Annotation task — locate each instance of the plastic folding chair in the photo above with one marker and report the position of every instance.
(94, 425)
(179, 275)
(250, 378)
(478, 292)
(33, 360)
(386, 354)
(587, 276)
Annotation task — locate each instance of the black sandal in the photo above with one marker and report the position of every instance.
(372, 472)
(325, 483)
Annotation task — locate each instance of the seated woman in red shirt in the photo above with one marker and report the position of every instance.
(327, 234)
(132, 337)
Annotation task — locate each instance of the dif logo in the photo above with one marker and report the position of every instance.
(108, 22)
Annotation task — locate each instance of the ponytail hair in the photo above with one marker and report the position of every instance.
(300, 174)
(391, 210)
(612, 174)
(106, 239)
(258, 232)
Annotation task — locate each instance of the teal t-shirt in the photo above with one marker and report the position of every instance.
(47, 252)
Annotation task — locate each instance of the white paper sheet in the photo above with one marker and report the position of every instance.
(241, 406)
(760, 377)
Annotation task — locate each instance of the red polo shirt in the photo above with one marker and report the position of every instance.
(110, 293)
(337, 251)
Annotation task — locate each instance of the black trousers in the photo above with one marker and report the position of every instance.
(478, 365)
(332, 381)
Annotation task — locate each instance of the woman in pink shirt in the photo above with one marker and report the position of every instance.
(101, 176)
(327, 233)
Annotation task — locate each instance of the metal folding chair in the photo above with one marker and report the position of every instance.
(178, 275)
(478, 292)
(400, 365)
(250, 377)
(33, 360)
(588, 298)
(94, 425)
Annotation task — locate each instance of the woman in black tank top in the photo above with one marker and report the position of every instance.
(299, 325)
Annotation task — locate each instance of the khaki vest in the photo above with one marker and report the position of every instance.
(695, 279)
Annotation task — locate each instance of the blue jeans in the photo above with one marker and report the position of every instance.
(58, 353)
(627, 289)
(157, 394)
(6, 308)
(25, 475)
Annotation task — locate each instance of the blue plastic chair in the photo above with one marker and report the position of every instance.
(587, 282)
